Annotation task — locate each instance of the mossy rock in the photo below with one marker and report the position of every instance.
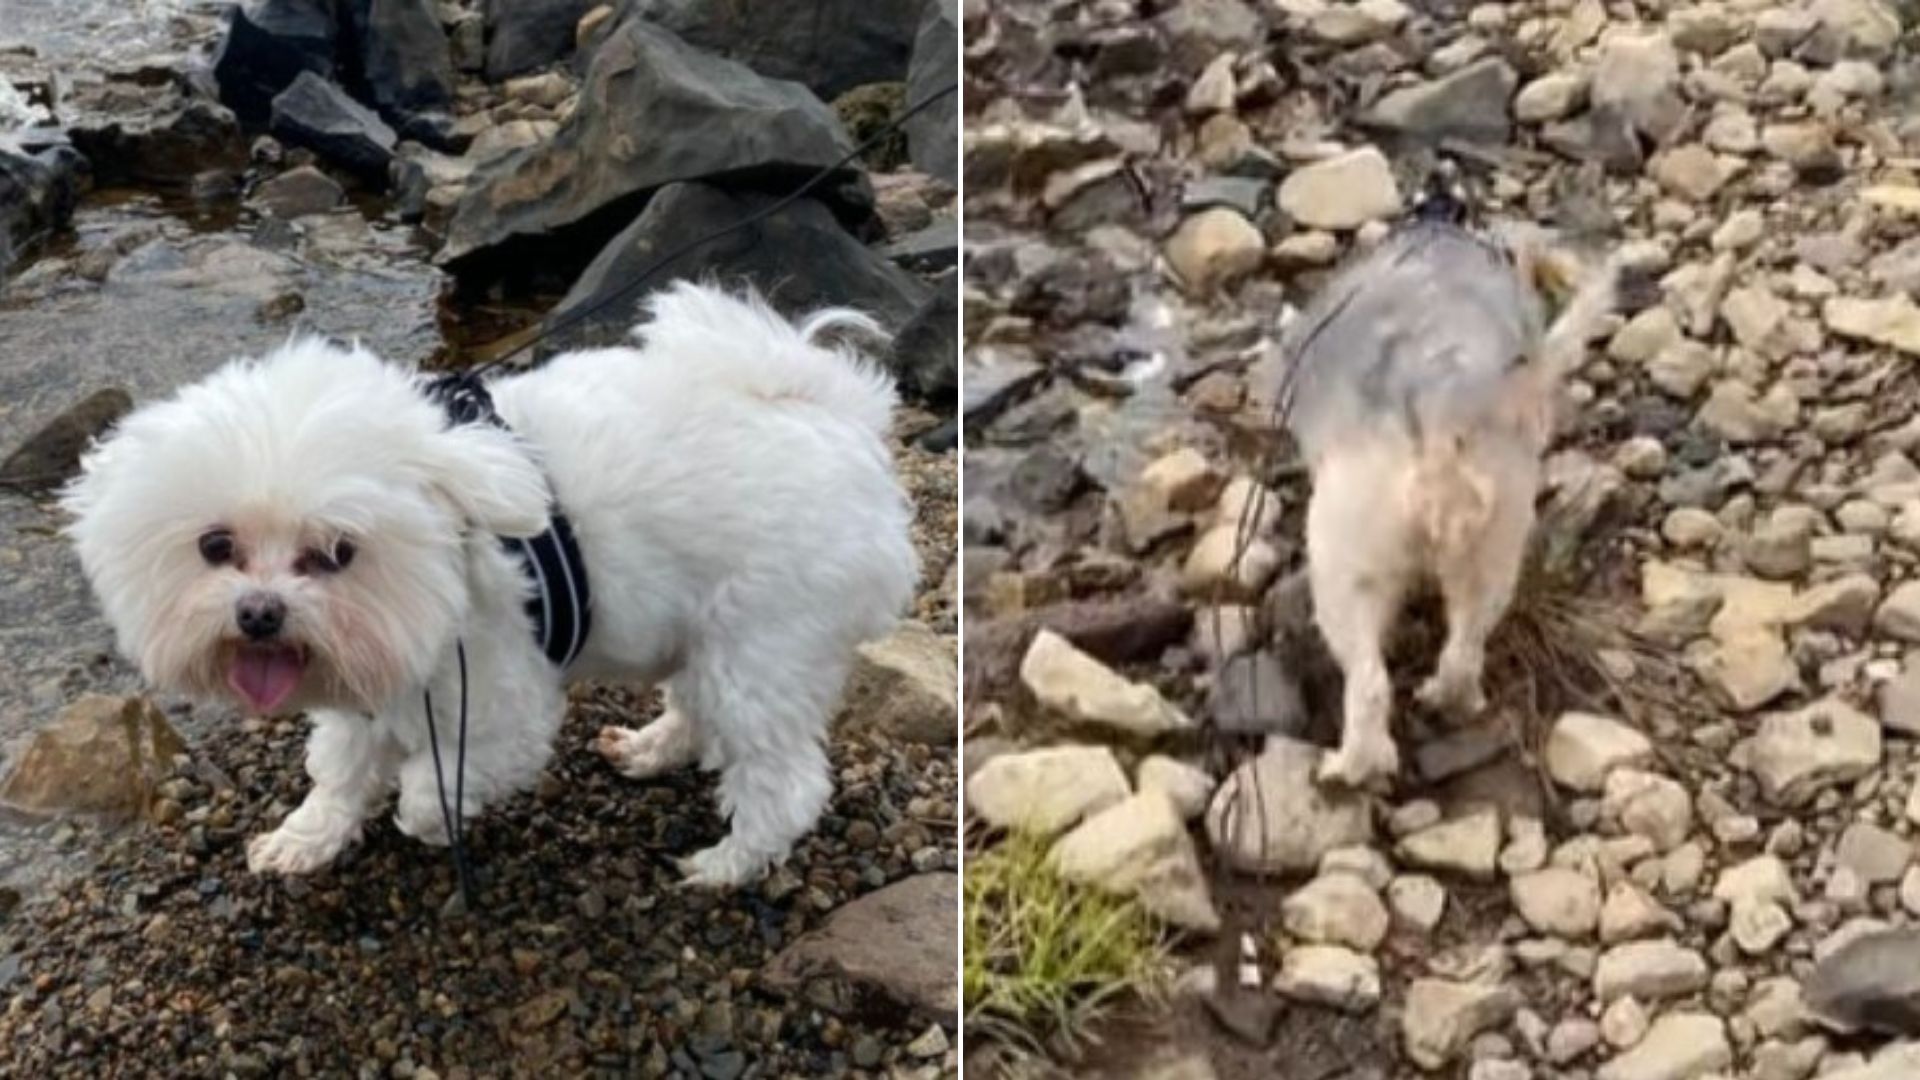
(865, 110)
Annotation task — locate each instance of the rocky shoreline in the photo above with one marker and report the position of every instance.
(178, 186)
(1669, 849)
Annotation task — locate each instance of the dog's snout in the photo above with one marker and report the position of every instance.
(260, 615)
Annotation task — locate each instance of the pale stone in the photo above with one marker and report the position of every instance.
(1140, 848)
(1329, 975)
(1271, 816)
(1648, 970)
(1679, 1046)
(1045, 791)
(1342, 192)
(1441, 1016)
(1558, 901)
(1582, 748)
(1468, 845)
(1336, 909)
(1795, 755)
(1077, 686)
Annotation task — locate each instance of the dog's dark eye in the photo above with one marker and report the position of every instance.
(321, 561)
(216, 546)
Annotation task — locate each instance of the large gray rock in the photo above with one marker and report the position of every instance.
(653, 111)
(37, 194)
(831, 46)
(1472, 103)
(526, 34)
(1270, 815)
(401, 55)
(318, 115)
(933, 135)
(838, 271)
(1872, 981)
(267, 45)
(926, 351)
(169, 145)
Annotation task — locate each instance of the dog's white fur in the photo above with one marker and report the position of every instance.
(1426, 406)
(729, 485)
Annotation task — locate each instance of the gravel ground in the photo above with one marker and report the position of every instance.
(583, 956)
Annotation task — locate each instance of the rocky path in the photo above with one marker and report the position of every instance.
(177, 187)
(1681, 844)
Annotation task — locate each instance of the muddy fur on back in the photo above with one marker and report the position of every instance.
(1422, 383)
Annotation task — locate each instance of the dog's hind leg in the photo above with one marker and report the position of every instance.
(1478, 570)
(1357, 565)
(763, 707)
(670, 742)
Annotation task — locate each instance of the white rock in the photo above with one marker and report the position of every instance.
(1550, 97)
(1760, 880)
(1360, 861)
(907, 683)
(1342, 192)
(1417, 901)
(1893, 321)
(1650, 805)
(1624, 1023)
(1077, 686)
(1757, 928)
(1648, 970)
(1336, 909)
(1045, 791)
(1270, 816)
(1185, 786)
(1329, 975)
(1795, 755)
(1223, 565)
(1629, 913)
(1898, 616)
(1468, 845)
(1583, 748)
(1557, 901)
(1214, 247)
(1441, 1016)
(1679, 1046)
(1140, 848)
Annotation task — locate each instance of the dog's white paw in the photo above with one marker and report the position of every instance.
(1360, 763)
(1455, 698)
(640, 754)
(422, 819)
(285, 852)
(722, 866)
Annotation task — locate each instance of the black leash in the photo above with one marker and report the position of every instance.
(454, 816)
(470, 380)
(755, 218)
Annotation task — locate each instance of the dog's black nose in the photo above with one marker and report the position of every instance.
(260, 615)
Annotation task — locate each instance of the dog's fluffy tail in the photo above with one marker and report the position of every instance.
(771, 357)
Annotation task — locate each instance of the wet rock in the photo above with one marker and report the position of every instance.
(925, 353)
(523, 35)
(1342, 192)
(829, 48)
(840, 271)
(318, 115)
(1583, 748)
(37, 195)
(1336, 909)
(1442, 1016)
(1469, 104)
(102, 755)
(652, 111)
(297, 193)
(933, 135)
(1140, 848)
(905, 684)
(1269, 815)
(51, 456)
(1213, 248)
(1679, 1046)
(1796, 755)
(403, 61)
(268, 44)
(1075, 685)
(168, 146)
(1046, 791)
(1468, 845)
(894, 948)
(1329, 975)
(1893, 321)
(1254, 693)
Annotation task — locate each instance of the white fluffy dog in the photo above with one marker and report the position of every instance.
(311, 532)
(1424, 379)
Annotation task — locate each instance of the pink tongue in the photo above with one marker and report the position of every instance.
(266, 677)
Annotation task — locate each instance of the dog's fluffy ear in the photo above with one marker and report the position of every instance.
(490, 478)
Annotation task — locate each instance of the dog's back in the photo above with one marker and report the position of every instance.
(1421, 338)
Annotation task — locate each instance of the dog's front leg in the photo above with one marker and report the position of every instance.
(509, 740)
(351, 764)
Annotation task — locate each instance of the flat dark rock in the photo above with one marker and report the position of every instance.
(267, 45)
(51, 455)
(318, 115)
(1871, 983)
(831, 46)
(890, 954)
(933, 141)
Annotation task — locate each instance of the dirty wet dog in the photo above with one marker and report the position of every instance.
(712, 507)
(1422, 383)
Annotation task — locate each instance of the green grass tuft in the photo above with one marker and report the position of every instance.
(1045, 956)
